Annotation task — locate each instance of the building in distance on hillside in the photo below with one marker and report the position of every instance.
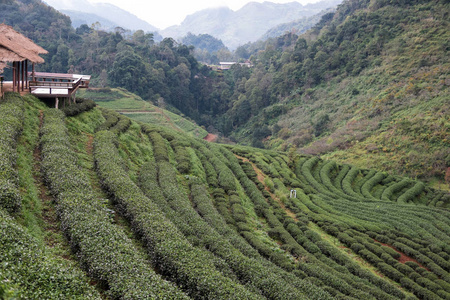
(226, 65)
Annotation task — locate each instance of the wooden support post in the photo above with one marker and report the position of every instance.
(14, 76)
(18, 76)
(23, 74)
(26, 74)
(33, 75)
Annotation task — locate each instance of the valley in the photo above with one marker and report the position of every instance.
(321, 171)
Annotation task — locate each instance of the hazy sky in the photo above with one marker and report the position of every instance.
(164, 13)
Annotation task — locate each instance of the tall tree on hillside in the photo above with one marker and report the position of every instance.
(130, 72)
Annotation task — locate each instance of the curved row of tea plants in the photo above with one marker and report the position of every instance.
(322, 266)
(247, 269)
(191, 268)
(320, 206)
(105, 250)
(81, 105)
(339, 286)
(432, 225)
(27, 272)
(355, 184)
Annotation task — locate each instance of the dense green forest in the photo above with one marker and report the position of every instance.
(366, 85)
(95, 205)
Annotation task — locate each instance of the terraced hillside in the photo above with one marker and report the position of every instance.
(95, 205)
(134, 107)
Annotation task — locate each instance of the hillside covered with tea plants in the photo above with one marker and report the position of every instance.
(367, 85)
(96, 205)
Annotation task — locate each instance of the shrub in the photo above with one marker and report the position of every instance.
(191, 267)
(11, 123)
(391, 252)
(356, 247)
(159, 147)
(102, 247)
(411, 193)
(390, 271)
(80, 106)
(389, 192)
(112, 118)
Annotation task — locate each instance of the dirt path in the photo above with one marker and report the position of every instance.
(261, 176)
(53, 237)
(211, 137)
(403, 257)
(168, 119)
(137, 112)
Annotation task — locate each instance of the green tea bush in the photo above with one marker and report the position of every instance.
(369, 184)
(183, 158)
(32, 272)
(112, 118)
(411, 193)
(370, 257)
(391, 252)
(428, 284)
(211, 175)
(11, 124)
(121, 126)
(325, 176)
(389, 192)
(172, 253)
(388, 259)
(368, 174)
(81, 105)
(337, 182)
(389, 271)
(405, 269)
(159, 146)
(348, 181)
(106, 251)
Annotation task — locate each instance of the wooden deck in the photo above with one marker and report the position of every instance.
(56, 85)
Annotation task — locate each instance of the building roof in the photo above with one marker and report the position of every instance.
(17, 47)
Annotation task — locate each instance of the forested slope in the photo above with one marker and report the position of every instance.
(102, 206)
(367, 85)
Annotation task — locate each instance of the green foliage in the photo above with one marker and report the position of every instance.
(11, 123)
(209, 225)
(106, 251)
(80, 106)
(174, 255)
(27, 272)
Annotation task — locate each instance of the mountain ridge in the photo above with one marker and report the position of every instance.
(110, 12)
(245, 25)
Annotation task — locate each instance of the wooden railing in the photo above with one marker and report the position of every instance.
(43, 79)
(66, 85)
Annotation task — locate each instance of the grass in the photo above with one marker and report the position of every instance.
(32, 206)
(140, 110)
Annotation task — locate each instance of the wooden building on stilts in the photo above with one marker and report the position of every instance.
(19, 51)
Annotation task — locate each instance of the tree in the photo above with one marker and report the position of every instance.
(130, 72)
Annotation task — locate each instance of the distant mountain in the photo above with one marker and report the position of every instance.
(247, 24)
(78, 18)
(203, 41)
(298, 26)
(108, 15)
